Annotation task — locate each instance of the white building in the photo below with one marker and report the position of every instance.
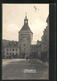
(11, 50)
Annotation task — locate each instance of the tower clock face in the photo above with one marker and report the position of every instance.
(25, 21)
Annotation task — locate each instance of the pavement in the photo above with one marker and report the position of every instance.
(21, 69)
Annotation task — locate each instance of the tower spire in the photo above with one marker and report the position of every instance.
(26, 20)
(25, 15)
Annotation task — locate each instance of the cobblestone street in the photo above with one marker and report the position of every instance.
(14, 69)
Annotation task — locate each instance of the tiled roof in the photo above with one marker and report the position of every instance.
(12, 44)
(25, 28)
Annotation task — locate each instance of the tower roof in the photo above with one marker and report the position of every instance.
(25, 26)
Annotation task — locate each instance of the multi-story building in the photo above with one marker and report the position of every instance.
(34, 51)
(39, 49)
(25, 38)
(45, 42)
(23, 48)
(11, 50)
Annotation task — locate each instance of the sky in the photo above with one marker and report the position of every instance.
(13, 19)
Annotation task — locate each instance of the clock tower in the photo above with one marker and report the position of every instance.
(25, 38)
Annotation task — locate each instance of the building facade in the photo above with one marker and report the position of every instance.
(34, 51)
(25, 38)
(11, 50)
(23, 48)
(45, 42)
(39, 50)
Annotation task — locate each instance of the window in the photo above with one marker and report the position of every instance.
(13, 53)
(13, 49)
(7, 49)
(7, 53)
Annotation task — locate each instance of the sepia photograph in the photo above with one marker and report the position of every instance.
(25, 41)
